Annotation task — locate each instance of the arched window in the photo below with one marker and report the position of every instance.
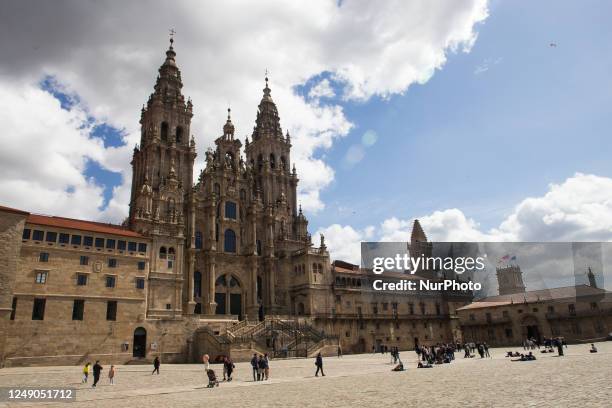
(162, 253)
(164, 132)
(272, 161)
(259, 162)
(283, 163)
(315, 269)
(258, 244)
(221, 281)
(217, 190)
(229, 241)
(197, 284)
(242, 195)
(300, 309)
(179, 134)
(320, 268)
(198, 240)
(171, 253)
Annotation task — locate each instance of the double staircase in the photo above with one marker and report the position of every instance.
(281, 338)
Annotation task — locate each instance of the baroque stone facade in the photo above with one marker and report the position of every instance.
(221, 265)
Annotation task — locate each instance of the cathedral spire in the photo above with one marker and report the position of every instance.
(228, 128)
(267, 123)
(418, 235)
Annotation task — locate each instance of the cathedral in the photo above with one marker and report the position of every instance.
(232, 235)
(222, 264)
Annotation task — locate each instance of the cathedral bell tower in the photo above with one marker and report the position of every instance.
(162, 179)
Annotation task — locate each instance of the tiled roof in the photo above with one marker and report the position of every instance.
(537, 296)
(91, 226)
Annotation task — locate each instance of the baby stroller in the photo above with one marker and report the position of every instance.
(212, 379)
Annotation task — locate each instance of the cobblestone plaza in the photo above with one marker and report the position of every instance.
(578, 379)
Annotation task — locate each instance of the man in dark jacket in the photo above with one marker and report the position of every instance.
(319, 364)
(255, 365)
(156, 364)
(97, 369)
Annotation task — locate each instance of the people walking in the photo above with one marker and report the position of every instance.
(86, 372)
(228, 367)
(111, 375)
(97, 369)
(339, 351)
(319, 364)
(261, 367)
(255, 366)
(156, 364)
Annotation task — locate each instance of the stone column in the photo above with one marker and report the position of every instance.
(212, 305)
(253, 307)
(191, 270)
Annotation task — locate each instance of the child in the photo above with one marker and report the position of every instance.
(86, 370)
(111, 375)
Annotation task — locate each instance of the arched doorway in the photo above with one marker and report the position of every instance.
(140, 343)
(228, 295)
(531, 329)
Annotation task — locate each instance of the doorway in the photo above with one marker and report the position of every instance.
(236, 305)
(140, 343)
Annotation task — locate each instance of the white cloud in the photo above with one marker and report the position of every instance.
(108, 54)
(45, 153)
(578, 209)
(322, 89)
(344, 242)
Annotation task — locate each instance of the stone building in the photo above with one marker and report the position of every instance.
(576, 313)
(510, 280)
(221, 265)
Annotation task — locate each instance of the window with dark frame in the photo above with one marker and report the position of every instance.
(132, 246)
(110, 281)
(110, 244)
(142, 247)
(111, 310)
(88, 241)
(75, 240)
(112, 263)
(51, 236)
(38, 235)
(84, 260)
(99, 242)
(121, 245)
(64, 238)
(26, 233)
(230, 210)
(38, 309)
(78, 307)
(141, 265)
(140, 283)
(14, 308)
(43, 257)
(81, 279)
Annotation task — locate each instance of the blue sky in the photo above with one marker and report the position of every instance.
(483, 142)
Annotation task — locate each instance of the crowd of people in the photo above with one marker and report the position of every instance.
(427, 357)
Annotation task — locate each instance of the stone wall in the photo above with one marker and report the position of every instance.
(11, 229)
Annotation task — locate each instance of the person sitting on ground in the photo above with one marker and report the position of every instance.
(399, 367)
(421, 365)
(530, 356)
(593, 348)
